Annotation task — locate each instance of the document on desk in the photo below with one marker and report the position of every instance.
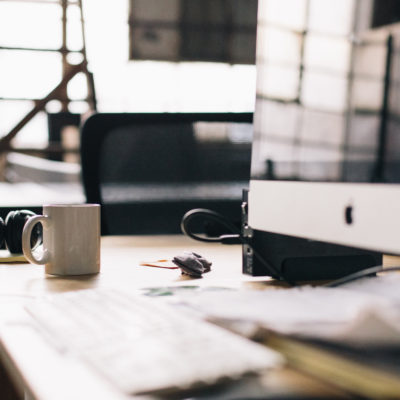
(364, 312)
(349, 335)
(7, 257)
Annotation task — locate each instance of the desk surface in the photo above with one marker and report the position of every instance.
(42, 372)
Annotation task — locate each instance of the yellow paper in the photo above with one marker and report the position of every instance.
(7, 257)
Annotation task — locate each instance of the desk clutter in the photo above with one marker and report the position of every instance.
(190, 263)
(80, 328)
(71, 239)
(143, 346)
(348, 336)
(11, 231)
(7, 257)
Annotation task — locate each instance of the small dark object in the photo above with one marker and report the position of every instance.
(206, 264)
(11, 231)
(192, 264)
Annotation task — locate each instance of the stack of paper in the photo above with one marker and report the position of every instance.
(348, 335)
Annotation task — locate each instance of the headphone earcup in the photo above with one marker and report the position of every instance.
(14, 225)
(2, 232)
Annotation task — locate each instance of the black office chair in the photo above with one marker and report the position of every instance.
(147, 170)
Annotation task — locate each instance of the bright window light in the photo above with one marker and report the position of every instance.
(121, 85)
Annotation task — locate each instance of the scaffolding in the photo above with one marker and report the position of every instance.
(59, 92)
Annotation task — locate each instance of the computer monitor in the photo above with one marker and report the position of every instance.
(326, 145)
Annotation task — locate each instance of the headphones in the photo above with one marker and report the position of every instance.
(11, 231)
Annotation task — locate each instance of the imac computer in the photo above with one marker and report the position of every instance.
(324, 194)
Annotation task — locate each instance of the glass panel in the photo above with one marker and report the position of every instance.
(274, 160)
(207, 30)
(367, 94)
(393, 142)
(364, 131)
(324, 92)
(241, 45)
(204, 45)
(74, 28)
(244, 13)
(30, 25)
(331, 16)
(326, 52)
(14, 110)
(278, 82)
(319, 164)
(156, 10)
(370, 59)
(28, 74)
(323, 128)
(277, 45)
(285, 13)
(271, 115)
(155, 43)
(33, 134)
(385, 12)
(77, 87)
(204, 13)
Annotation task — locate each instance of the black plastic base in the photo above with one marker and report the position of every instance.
(304, 260)
(300, 259)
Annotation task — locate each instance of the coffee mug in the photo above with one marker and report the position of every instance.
(71, 239)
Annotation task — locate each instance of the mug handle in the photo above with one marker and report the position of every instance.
(26, 239)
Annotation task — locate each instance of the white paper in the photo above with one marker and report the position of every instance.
(364, 312)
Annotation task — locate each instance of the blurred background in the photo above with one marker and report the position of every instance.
(145, 55)
(326, 82)
(328, 91)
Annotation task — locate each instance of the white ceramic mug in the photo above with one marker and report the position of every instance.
(71, 239)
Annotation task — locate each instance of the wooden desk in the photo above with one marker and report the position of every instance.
(44, 374)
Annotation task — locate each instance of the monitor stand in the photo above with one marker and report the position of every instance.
(300, 259)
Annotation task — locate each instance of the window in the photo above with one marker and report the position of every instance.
(385, 12)
(122, 85)
(193, 30)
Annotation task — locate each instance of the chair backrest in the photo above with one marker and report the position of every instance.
(146, 170)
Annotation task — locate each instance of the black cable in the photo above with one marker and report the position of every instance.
(360, 274)
(235, 238)
(210, 215)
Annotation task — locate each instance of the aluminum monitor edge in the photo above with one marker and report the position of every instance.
(321, 211)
